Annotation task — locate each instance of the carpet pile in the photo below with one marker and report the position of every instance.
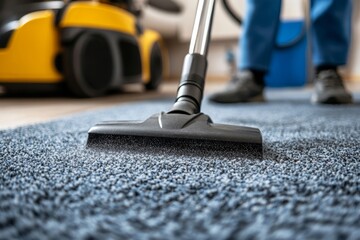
(307, 186)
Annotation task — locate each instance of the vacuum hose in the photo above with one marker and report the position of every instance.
(231, 12)
(167, 6)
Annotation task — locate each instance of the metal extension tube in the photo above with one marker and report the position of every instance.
(191, 87)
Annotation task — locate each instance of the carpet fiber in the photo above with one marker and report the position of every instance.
(306, 187)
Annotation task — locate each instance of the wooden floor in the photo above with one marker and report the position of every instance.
(19, 111)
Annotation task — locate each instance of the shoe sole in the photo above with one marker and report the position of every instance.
(257, 98)
(332, 100)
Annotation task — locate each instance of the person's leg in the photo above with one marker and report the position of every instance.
(255, 48)
(331, 32)
(259, 34)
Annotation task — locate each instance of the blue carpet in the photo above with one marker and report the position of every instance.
(306, 187)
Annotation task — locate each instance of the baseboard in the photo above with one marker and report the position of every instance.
(354, 78)
(209, 78)
(225, 78)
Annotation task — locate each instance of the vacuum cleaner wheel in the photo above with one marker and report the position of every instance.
(89, 65)
(156, 68)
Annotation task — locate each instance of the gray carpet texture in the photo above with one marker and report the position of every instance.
(307, 186)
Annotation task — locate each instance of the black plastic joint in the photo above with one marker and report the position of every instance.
(191, 87)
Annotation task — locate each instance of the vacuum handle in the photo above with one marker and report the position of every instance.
(192, 83)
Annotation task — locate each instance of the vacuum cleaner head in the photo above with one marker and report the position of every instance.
(179, 131)
(184, 126)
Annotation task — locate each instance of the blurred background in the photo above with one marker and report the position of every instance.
(53, 27)
(226, 32)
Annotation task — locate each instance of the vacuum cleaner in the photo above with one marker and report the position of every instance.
(91, 47)
(184, 126)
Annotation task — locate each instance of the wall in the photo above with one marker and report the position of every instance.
(226, 37)
(353, 68)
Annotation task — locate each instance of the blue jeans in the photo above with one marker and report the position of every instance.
(330, 30)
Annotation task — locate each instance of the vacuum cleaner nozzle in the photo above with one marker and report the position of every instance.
(180, 131)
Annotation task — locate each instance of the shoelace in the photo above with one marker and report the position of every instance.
(238, 78)
(330, 79)
(235, 79)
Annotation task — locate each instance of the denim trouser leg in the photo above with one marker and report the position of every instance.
(259, 35)
(331, 31)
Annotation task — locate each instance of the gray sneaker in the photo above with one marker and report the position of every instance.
(241, 88)
(330, 89)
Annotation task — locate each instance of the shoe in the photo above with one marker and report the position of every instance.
(241, 88)
(330, 89)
